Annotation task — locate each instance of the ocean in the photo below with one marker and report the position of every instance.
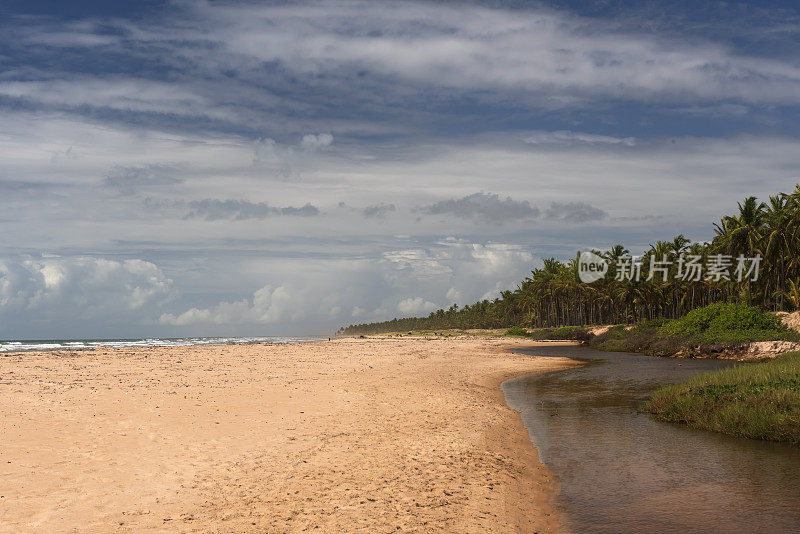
(88, 344)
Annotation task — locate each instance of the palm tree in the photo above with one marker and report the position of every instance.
(777, 243)
(793, 293)
(552, 294)
(744, 232)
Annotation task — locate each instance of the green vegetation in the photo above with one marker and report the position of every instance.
(573, 333)
(727, 323)
(518, 331)
(553, 296)
(756, 400)
(701, 332)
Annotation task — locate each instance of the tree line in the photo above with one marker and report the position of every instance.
(553, 295)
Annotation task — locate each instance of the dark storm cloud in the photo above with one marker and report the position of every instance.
(487, 206)
(214, 210)
(377, 211)
(577, 212)
(130, 180)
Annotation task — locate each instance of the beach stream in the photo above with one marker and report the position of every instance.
(623, 471)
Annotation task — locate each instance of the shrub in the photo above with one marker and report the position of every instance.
(726, 322)
(536, 333)
(563, 332)
(576, 333)
(517, 331)
(702, 332)
(612, 339)
(648, 324)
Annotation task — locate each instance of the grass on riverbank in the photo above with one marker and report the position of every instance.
(753, 400)
(572, 333)
(705, 331)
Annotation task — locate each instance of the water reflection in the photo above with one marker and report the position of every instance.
(622, 471)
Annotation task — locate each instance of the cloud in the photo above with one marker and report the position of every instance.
(377, 211)
(466, 46)
(429, 102)
(415, 306)
(239, 210)
(284, 70)
(19, 186)
(267, 152)
(304, 211)
(456, 269)
(286, 161)
(568, 137)
(577, 212)
(316, 142)
(120, 93)
(78, 291)
(417, 264)
(453, 295)
(268, 306)
(487, 206)
(309, 293)
(130, 180)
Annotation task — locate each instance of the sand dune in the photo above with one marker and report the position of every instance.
(351, 435)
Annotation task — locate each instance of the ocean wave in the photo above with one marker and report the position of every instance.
(90, 344)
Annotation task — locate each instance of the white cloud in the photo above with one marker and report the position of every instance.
(120, 93)
(415, 306)
(311, 293)
(131, 180)
(453, 295)
(539, 51)
(316, 142)
(248, 117)
(194, 169)
(455, 269)
(80, 290)
(268, 306)
(288, 161)
(565, 137)
(544, 57)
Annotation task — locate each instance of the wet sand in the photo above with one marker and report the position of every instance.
(372, 435)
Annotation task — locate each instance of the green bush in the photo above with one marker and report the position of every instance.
(612, 340)
(649, 324)
(563, 332)
(726, 322)
(705, 331)
(576, 333)
(536, 333)
(517, 331)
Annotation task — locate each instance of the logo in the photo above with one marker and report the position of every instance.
(591, 267)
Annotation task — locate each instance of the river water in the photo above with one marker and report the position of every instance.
(623, 471)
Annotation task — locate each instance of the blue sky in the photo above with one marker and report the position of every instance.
(223, 168)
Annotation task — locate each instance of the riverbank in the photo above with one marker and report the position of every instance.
(624, 471)
(349, 435)
(759, 400)
(722, 330)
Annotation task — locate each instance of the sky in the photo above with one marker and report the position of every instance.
(249, 168)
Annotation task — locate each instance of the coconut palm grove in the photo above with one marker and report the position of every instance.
(553, 295)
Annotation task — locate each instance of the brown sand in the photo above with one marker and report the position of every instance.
(792, 320)
(352, 435)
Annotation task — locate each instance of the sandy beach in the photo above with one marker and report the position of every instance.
(372, 435)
